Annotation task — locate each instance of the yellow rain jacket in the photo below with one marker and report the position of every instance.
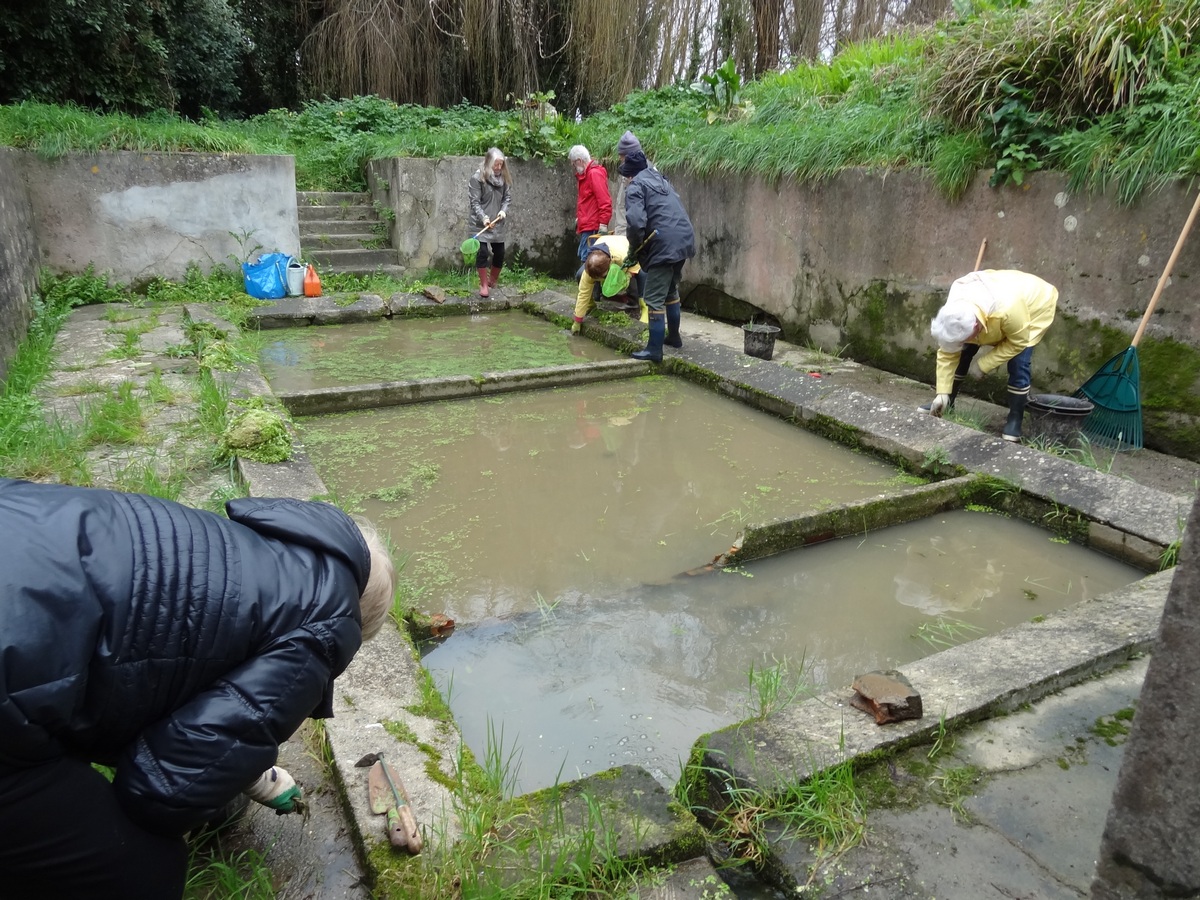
(1015, 308)
(618, 249)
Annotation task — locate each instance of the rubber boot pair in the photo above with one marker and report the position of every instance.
(673, 338)
(1016, 414)
(484, 284)
(653, 349)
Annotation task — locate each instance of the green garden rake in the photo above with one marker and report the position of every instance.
(1116, 388)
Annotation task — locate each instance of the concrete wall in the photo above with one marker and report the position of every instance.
(18, 257)
(136, 215)
(429, 197)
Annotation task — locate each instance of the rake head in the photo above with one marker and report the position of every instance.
(1115, 390)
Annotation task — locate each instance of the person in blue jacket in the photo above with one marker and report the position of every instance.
(657, 223)
(174, 645)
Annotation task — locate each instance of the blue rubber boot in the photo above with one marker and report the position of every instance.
(673, 338)
(653, 350)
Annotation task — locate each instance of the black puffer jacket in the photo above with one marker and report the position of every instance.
(651, 204)
(180, 646)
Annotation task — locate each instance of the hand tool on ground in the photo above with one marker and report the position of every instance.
(387, 795)
(1115, 389)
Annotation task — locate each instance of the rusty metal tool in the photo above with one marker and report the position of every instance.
(387, 795)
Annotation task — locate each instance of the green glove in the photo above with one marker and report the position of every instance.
(275, 788)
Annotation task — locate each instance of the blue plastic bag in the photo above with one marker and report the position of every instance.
(267, 278)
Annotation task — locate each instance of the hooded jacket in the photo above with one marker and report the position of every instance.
(177, 645)
(651, 204)
(1014, 309)
(593, 202)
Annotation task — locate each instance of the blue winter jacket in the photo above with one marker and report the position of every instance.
(177, 645)
(651, 204)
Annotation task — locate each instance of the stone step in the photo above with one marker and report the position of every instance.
(335, 226)
(332, 198)
(358, 241)
(354, 260)
(347, 213)
(393, 270)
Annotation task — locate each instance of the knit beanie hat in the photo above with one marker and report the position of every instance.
(634, 162)
(628, 144)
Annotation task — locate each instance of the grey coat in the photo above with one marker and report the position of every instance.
(488, 201)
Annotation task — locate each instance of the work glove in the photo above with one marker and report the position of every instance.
(500, 215)
(938, 406)
(277, 789)
(576, 326)
(603, 229)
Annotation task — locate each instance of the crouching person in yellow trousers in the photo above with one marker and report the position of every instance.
(597, 265)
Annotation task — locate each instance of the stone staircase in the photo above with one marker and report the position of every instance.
(342, 232)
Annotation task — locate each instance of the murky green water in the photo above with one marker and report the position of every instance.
(299, 359)
(553, 527)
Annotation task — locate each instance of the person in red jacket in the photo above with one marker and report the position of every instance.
(593, 203)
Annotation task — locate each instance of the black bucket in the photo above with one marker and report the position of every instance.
(1058, 419)
(760, 340)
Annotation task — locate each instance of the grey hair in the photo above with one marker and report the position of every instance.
(953, 324)
(579, 152)
(493, 155)
(376, 599)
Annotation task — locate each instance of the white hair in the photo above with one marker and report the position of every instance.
(953, 324)
(376, 599)
(579, 152)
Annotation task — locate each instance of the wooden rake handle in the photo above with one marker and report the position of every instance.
(979, 258)
(1162, 281)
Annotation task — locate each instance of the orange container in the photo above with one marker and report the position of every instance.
(312, 282)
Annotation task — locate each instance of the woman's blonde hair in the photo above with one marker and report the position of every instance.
(376, 599)
(494, 154)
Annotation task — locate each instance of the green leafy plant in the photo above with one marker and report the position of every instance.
(722, 92)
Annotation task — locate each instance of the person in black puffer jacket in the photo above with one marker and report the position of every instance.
(177, 646)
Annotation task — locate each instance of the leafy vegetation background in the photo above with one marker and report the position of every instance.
(1108, 92)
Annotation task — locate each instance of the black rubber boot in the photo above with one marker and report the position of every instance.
(1016, 415)
(673, 338)
(653, 349)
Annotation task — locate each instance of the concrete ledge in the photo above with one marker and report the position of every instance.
(988, 676)
(399, 393)
(324, 310)
(893, 508)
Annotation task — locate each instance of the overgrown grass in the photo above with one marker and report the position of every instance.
(1105, 91)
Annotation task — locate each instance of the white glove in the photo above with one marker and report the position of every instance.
(277, 789)
(603, 228)
(938, 406)
(501, 215)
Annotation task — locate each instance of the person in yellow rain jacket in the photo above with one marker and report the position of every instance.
(1004, 309)
(610, 249)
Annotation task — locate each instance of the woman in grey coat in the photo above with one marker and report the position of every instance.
(489, 191)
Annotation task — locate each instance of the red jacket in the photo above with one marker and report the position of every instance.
(593, 206)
